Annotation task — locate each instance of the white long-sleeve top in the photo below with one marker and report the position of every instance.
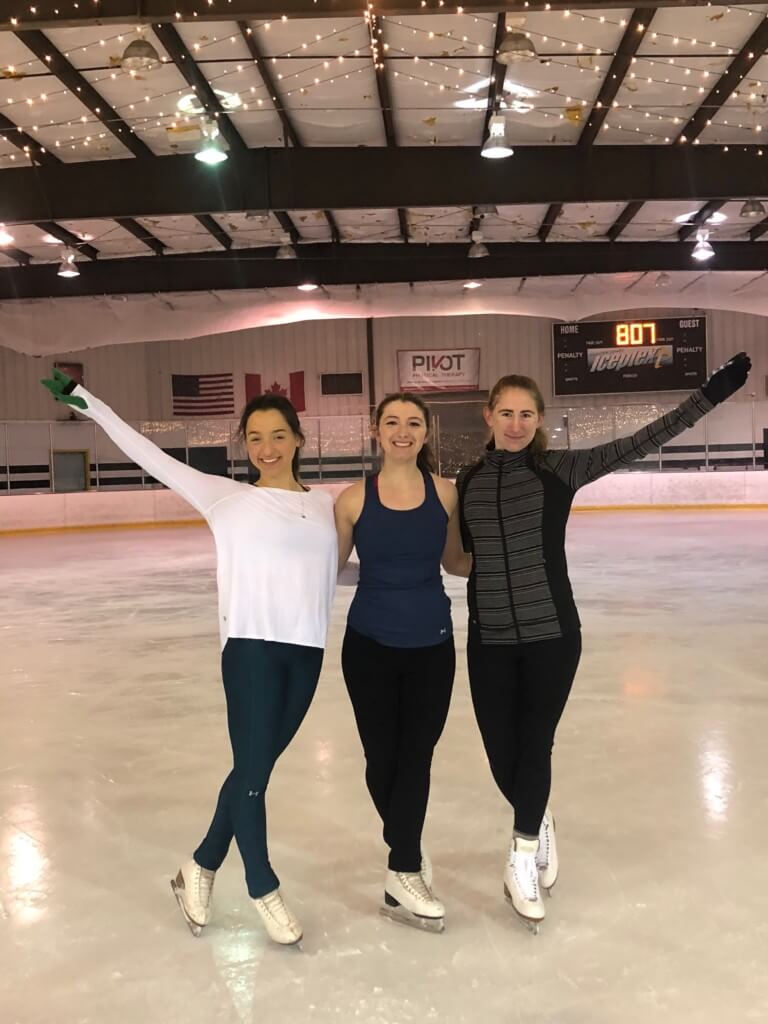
(277, 550)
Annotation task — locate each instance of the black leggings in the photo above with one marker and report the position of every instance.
(519, 692)
(400, 697)
(269, 687)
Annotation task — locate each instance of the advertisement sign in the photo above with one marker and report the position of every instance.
(439, 369)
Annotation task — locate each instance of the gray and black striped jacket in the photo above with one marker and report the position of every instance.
(514, 507)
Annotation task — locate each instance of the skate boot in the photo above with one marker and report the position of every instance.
(521, 882)
(546, 855)
(426, 868)
(193, 889)
(409, 900)
(279, 922)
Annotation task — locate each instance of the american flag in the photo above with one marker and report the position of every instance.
(203, 394)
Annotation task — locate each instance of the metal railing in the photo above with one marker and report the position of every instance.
(733, 436)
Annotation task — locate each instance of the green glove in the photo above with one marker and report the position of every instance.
(61, 387)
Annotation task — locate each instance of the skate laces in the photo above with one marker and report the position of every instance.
(545, 838)
(415, 885)
(203, 882)
(526, 875)
(275, 906)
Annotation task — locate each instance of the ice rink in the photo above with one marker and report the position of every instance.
(113, 746)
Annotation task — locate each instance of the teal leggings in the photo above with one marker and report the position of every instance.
(269, 687)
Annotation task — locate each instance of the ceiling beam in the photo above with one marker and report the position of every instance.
(17, 137)
(21, 257)
(627, 215)
(359, 178)
(290, 132)
(376, 263)
(497, 77)
(82, 90)
(699, 218)
(622, 61)
(194, 77)
(740, 66)
(288, 226)
(553, 212)
(758, 230)
(134, 228)
(215, 229)
(66, 237)
(386, 106)
(614, 79)
(124, 12)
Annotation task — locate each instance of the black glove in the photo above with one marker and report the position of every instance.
(61, 387)
(727, 378)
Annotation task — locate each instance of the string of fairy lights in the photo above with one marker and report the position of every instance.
(547, 106)
(458, 70)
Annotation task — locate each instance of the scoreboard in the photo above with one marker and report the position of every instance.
(612, 357)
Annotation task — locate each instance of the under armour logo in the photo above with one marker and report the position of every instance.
(253, 792)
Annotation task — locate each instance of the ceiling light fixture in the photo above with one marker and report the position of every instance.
(308, 286)
(515, 47)
(471, 285)
(5, 238)
(752, 208)
(478, 249)
(67, 266)
(495, 146)
(286, 250)
(211, 151)
(702, 250)
(140, 55)
(191, 106)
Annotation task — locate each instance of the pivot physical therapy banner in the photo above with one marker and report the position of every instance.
(439, 369)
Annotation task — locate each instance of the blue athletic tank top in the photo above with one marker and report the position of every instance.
(400, 600)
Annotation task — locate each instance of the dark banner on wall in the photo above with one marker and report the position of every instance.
(629, 356)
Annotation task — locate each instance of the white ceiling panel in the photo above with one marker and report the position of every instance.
(312, 225)
(311, 37)
(331, 104)
(180, 234)
(368, 225)
(439, 223)
(253, 229)
(692, 30)
(513, 224)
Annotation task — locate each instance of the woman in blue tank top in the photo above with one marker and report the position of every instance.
(398, 657)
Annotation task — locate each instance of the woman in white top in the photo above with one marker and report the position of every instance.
(277, 563)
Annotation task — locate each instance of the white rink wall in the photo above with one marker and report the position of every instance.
(155, 507)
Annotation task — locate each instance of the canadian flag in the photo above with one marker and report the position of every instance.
(294, 391)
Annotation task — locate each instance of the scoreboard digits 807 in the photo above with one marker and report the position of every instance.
(643, 333)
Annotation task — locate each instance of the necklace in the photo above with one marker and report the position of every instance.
(301, 491)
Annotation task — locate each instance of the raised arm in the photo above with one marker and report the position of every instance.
(347, 509)
(577, 468)
(201, 490)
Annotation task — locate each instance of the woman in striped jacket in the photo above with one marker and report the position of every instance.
(524, 631)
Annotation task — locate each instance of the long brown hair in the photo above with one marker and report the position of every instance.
(282, 405)
(425, 460)
(540, 440)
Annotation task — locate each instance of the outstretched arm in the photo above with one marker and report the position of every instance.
(577, 468)
(201, 490)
